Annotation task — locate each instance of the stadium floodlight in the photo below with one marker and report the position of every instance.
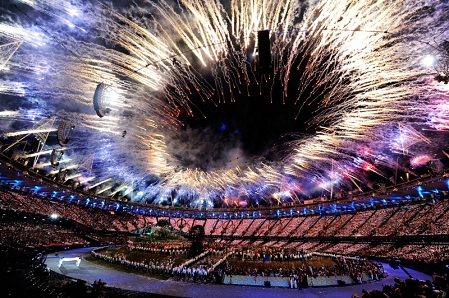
(428, 61)
(100, 100)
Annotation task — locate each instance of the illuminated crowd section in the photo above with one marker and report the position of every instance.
(413, 231)
(101, 98)
(418, 218)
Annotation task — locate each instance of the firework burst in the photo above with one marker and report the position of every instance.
(356, 62)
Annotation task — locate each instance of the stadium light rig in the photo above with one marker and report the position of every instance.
(442, 67)
(100, 99)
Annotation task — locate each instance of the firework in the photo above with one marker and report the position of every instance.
(358, 63)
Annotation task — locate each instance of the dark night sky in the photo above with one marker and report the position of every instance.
(258, 120)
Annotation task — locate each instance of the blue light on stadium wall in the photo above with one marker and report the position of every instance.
(419, 189)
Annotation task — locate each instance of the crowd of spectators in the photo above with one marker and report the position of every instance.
(411, 252)
(23, 230)
(107, 239)
(169, 247)
(415, 252)
(31, 235)
(437, 288)
(97, 218)
(51, 236)
(423, 218)
(420, 218)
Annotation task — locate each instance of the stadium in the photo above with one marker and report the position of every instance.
(224, 148)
